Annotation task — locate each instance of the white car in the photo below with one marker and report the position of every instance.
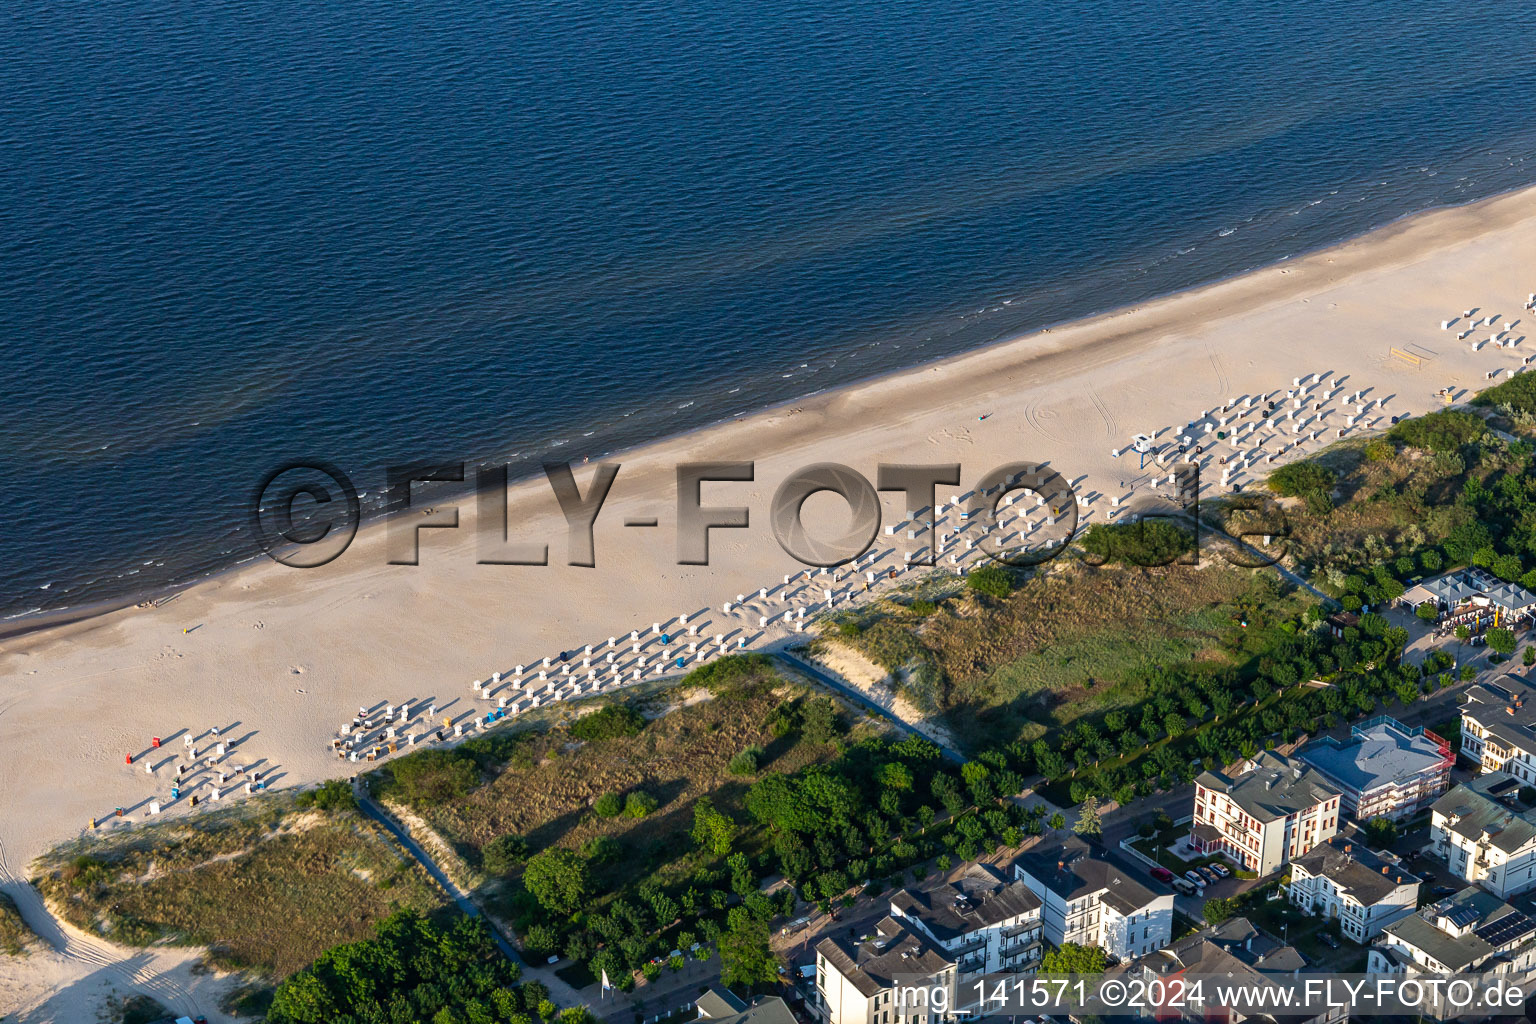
(1195, 877)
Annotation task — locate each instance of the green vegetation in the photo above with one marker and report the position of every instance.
(745, 958)
(1218, 910)
(990, 579)
(1072, 958)
(1438, 492)
(1150, 542)
(410, 970)
(1094, 667)
(611, 722)
(266, 884)
(15, 936)
(1380, 833)
(1309, 481)
(657, 839)
(1445, 431)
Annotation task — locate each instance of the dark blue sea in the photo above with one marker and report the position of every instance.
(233, 234)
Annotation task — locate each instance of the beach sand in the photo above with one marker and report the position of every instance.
(287, 656)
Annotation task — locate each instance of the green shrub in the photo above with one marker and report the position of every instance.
(990, 579)
(732, 671)
(611, 722)
(435, 776)
(639, 803)
(609, 805)
(747, 761)
(1299, 479)
(1444, 431)
(922, 607)
(1152, 542)
(503, 854)
(335, 795)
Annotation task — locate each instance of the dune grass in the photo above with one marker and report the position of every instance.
(15, 937)
(1066, 643)
(266, 884)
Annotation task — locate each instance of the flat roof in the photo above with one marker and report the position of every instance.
(1380, 753)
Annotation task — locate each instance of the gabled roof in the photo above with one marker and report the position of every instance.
(1478, 810)
(1070, 870)
(876, 963)
(1365, 875)
(979, 899)
(1234, 946)
(1507, 709)
(1273, 787)
(1464, 585)
(1471, 908)
(721, 1006)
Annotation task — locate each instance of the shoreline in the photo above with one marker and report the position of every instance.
(360, 629)
(279, 658)
(26, 624)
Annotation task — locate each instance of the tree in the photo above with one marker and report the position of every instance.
(712, 830)
(1218, 910)
(1429, 611)
(1380, 832)
(504, 853)
(557, 879)
(1088, 821)
(819, 721)
(745, 958)
(1072, 958)
(1057, 822)
(1528, 657)
(1502, 641)
(895, 776)
(451, 973)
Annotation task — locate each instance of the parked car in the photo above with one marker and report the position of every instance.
(1442, 891)
(1221, 869)
(1194, 876)
(1162, 874)
(1184, 887)
(1328, 940)
(1209, 875)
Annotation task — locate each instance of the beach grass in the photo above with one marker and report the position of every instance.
(1065, 643)
(16, 938)
(547, 787)
(267, 885)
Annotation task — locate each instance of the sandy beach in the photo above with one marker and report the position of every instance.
(283, 657)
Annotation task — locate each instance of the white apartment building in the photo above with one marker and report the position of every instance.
(1498, 728)
(1471, 932)
(1272, 809)
(1385, 769)
(981, 920)
(1343, 881)
(1486, 835)
(1093, 903)
(884, 977)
